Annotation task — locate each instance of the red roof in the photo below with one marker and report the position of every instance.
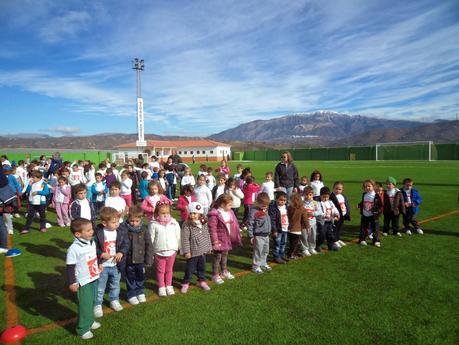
(177, 144)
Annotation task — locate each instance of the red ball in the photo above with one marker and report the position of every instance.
(13, 334)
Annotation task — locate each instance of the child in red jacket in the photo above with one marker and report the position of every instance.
(184, 200)
(250, 190)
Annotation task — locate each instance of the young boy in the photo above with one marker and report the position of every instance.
(308, 238)
(304, 182)
(268, 185)
(112, 248)
(393, 205)
(99, 190)
(412, 200)
(82, 274)
(140, 254)
(210, 178)
(115, 201)
(237, 175)
(220, 188)
(279, 226)
(259, 228)
(37, 190)
(342, 205)
(330, 214)
(81, 207)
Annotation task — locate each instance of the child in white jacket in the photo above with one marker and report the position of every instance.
(165, 236)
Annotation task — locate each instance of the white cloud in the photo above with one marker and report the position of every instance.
(64, 130)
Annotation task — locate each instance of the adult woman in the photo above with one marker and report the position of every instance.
(286, 175)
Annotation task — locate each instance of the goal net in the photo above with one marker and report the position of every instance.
(415, 150)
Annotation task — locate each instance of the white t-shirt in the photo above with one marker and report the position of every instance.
(188, 179)
(220, 191)
(85, 209)
(226, 218)
(408, 195)
(316, 186)
(100, 187)
(110, 247)
(268, 187)
(391, 194)
(37, 187)
(154, 199)
(211, 181)
(76, 177)
(368, 202)
(83, 255)
(284, 217)
(329, 210)
(203, 195)
(126, 186)
(310, 206)
(341, 203)
(117, 203)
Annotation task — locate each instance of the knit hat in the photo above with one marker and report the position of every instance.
(392, 180)
(195, 207)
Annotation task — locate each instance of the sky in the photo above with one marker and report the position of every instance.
(66, 66)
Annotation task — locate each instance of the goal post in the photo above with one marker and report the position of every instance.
(410, 150)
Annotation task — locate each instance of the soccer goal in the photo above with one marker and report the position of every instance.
(413, 150)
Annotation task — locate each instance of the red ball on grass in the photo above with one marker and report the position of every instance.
(13, 334)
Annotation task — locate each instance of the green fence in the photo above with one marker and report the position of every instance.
(390, 152)
(93, 156)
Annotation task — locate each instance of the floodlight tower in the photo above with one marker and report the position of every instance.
(139, 66)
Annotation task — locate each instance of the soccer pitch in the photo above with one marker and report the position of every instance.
(403, 293)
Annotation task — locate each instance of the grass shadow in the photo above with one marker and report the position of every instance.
(45, 250)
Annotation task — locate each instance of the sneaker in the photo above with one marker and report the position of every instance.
(279, 261)
(43, 230)
(162, 292)
(363, 243)
(24, 231)
(257, 270)
(217, 280)
(142, 298)
(378, 244)
(184, 288)
(244, 228)
(227, 275)
(133, 300)
(334, 247)
(342, 243)
(87, 335)
(67, 224)
(266, 268)
(170, 290)
(203, 285)
(337, 244)
(98, 312)
(17, 215)
(48, 225)
(62, 225)
(370, 236)
(306, 253)
(399, 234)
(419, 231)
(10, 232)
(408, 232)
(384, 233)
(313, 251)
(3, 250)
(116, 306)
(95, 325)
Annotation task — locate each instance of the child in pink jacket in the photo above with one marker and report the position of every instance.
(61, 200)
(250, 190)
(184, 200)
(155, 194)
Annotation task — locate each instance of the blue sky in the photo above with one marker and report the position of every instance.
(65, 66)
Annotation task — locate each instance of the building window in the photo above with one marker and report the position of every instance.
(191, 152)
(197, 152)
(203, 152)
(185, 152)
(157, 153)
(180, 152)
(211, 152)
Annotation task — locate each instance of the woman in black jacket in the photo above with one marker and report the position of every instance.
(286, 175)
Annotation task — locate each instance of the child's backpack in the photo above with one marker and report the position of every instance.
(8, 199)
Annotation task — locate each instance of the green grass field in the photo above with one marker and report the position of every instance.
(403, 293)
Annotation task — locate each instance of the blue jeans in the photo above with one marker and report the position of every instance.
(279, 245)
(135, 280)
(112, 276)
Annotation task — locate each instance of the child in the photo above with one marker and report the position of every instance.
(143, 186)
(210, 179)
(162, 179)
(112, 247)
(393, 205)
(82, 274)
(259, 227)
(297, 224)
(203, 194)
(268, 185)
(330, 214)
(303, 184)
(155, 174)
(316, 184)
(155, 195)
(237, 175)
(171, 180)
(187, 179)
(279, 226)
(224, 233)
(99, 190)
(220, 188)
(370, 210)
(412, 200)
(202, 170)
(236, 193)
(76, 176)
(308, 238)
(342, 205)
(224, 169)
(165, 236)
(81, 207)
(61, 201)
(110, 177)
(126, 188)
(196, 244)
(139, 254)
(250, 190)
(115, 201)
(37, 190)
(184, 200)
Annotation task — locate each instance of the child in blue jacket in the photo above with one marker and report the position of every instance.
(37, 190)
(412, 200)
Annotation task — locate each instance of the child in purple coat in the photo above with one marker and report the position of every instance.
(224, 233)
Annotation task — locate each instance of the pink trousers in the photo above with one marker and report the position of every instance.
(128, 199)
(62, 211)
(164, 269)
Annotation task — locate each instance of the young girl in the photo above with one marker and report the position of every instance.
(165, 237)
(203, 194)
(236, 193)
(143, 185)
(316, 183)
(155, 195)
(304, 182)
(224, 233)
(224, 169)
(210, 178)
(162, 179)
(220, 188)
(61, 201)
(297, 222)
(126, 185)
(184, 200)
(187, 179)
(195, 245)
(99, 191)
(308, 238)
(250, 190)
(370, 210)
(342, 204)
